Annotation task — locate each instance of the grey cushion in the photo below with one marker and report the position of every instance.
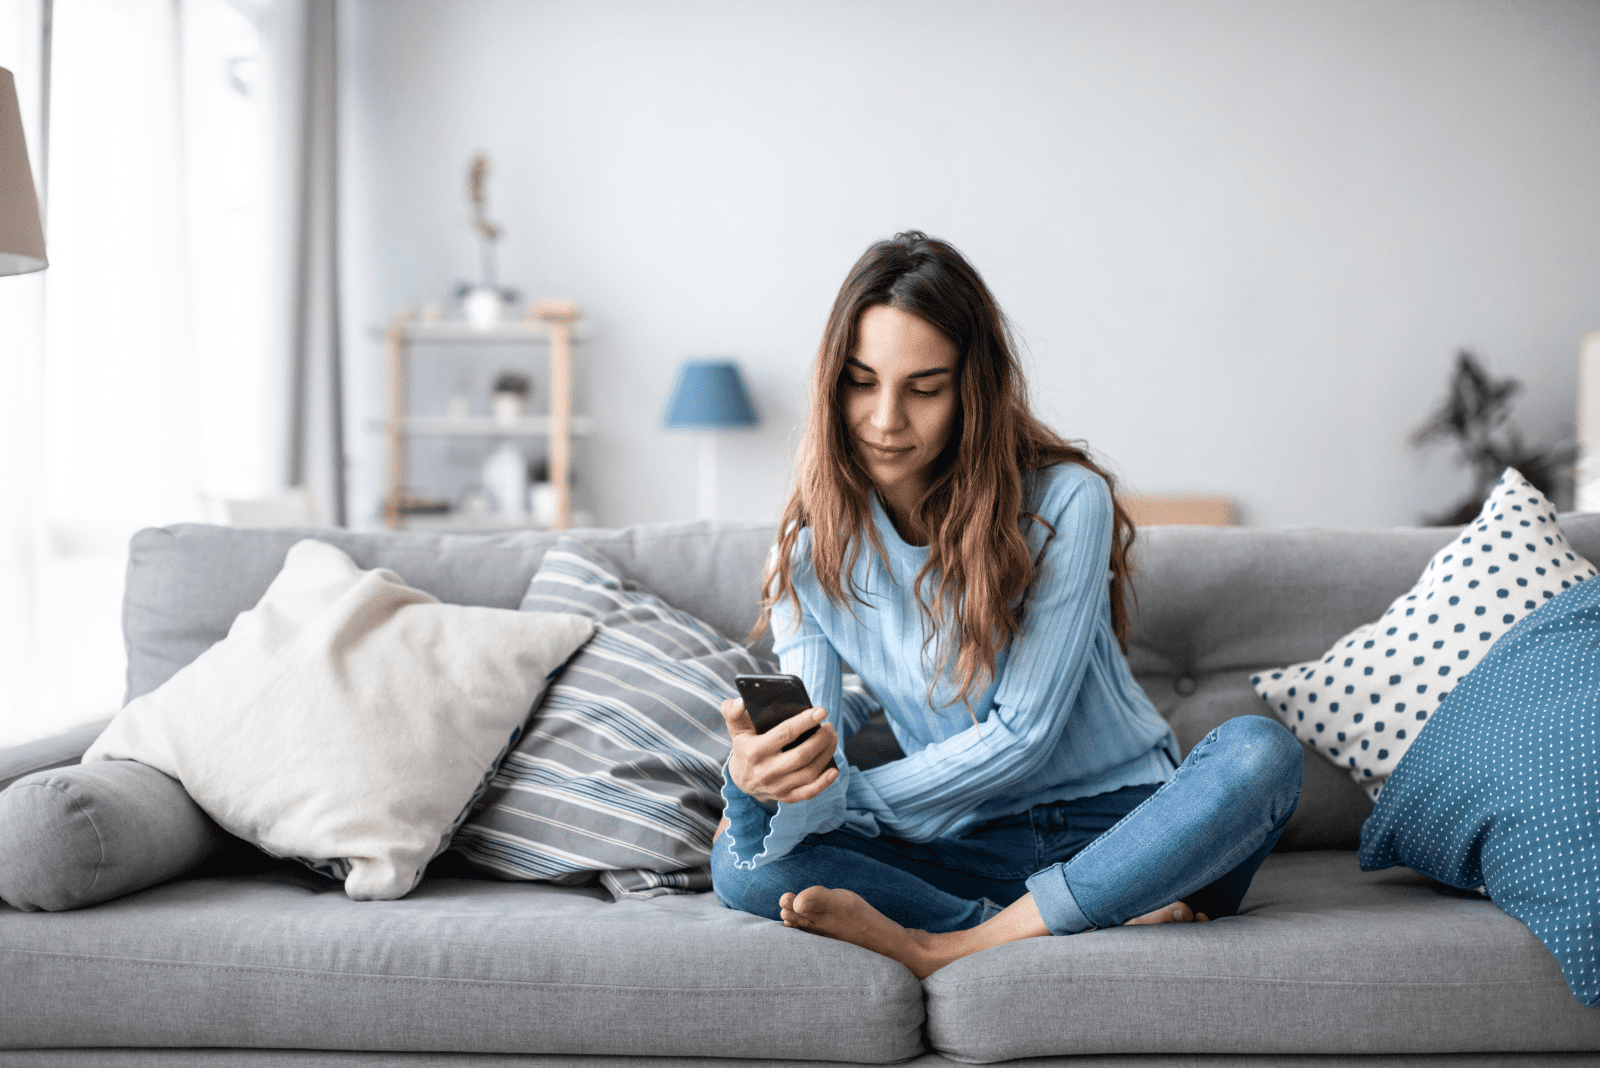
(79, 835)
(1321, 959)
(56, 751)
(284, 959)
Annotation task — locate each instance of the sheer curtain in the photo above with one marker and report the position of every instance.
(148, 371)
(21, 398)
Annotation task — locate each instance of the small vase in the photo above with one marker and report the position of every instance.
(542, 503)
(505, 476)
(482, 306)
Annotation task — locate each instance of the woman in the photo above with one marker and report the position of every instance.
(972, 567)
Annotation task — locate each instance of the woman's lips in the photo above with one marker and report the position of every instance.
(887, 450)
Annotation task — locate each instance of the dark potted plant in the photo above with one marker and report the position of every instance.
(508, 398)
(1476, 415)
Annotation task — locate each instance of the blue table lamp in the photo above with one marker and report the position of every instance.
(709, 396)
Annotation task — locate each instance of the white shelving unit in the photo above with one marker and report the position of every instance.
(551, 324)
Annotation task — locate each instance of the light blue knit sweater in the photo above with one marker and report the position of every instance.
(1063, 717)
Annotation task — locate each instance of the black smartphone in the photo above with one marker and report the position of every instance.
(771, 699)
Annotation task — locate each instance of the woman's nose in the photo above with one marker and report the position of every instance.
(887, 413)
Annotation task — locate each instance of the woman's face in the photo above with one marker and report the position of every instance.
(899, 400)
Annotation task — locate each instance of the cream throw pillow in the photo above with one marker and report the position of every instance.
(347, 721)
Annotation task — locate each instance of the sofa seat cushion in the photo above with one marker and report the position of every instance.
(283, 959)
(1322, 959)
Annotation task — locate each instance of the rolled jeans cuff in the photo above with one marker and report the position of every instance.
(1057, 907)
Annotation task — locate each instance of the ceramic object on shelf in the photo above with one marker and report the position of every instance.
(482, 306)
(505, 476)
(542, 503)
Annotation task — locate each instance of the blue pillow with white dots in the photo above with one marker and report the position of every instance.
(1363, 703)
(1503, 788)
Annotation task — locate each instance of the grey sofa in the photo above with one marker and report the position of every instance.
(271, 965)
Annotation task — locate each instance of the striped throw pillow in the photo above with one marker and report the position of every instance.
(619, 774)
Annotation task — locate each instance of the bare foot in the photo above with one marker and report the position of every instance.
(845, 915)
(1177, 912)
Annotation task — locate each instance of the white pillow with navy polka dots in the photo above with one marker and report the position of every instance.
(1362, 705)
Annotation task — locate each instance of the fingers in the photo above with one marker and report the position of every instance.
(815, 787)
(818, 745)
(737, 719)
(812, 756)
(804, 771)
(792, 781)
(762, 768)
(768, 749)
(795, 726)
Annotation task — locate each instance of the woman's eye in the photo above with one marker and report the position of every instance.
(860, 385)
(925, 392)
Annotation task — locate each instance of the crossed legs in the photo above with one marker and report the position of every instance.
(1200, 837)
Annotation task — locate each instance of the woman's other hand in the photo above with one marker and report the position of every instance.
(760, 767)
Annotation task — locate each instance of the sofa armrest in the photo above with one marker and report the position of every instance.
(56, 751)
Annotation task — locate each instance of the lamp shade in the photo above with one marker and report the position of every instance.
(21, 235)
(710, 394)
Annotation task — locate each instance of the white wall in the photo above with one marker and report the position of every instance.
(1240, 240)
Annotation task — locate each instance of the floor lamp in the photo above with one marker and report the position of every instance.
(709, 397)
(21, 235)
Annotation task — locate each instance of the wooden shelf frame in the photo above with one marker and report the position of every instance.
(554, 323)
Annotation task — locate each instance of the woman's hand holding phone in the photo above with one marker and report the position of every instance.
(764, 769)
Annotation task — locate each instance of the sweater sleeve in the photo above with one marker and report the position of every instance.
(762, 833)
(922, 796)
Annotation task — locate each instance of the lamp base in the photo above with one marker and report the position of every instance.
(707, 502)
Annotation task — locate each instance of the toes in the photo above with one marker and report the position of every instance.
(1177, 912)
(811, 900)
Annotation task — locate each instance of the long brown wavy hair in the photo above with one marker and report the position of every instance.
(973, 509)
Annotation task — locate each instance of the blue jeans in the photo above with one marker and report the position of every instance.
(1090, 862)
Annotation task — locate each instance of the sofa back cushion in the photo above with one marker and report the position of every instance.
(1215, 605)
(186, 583)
